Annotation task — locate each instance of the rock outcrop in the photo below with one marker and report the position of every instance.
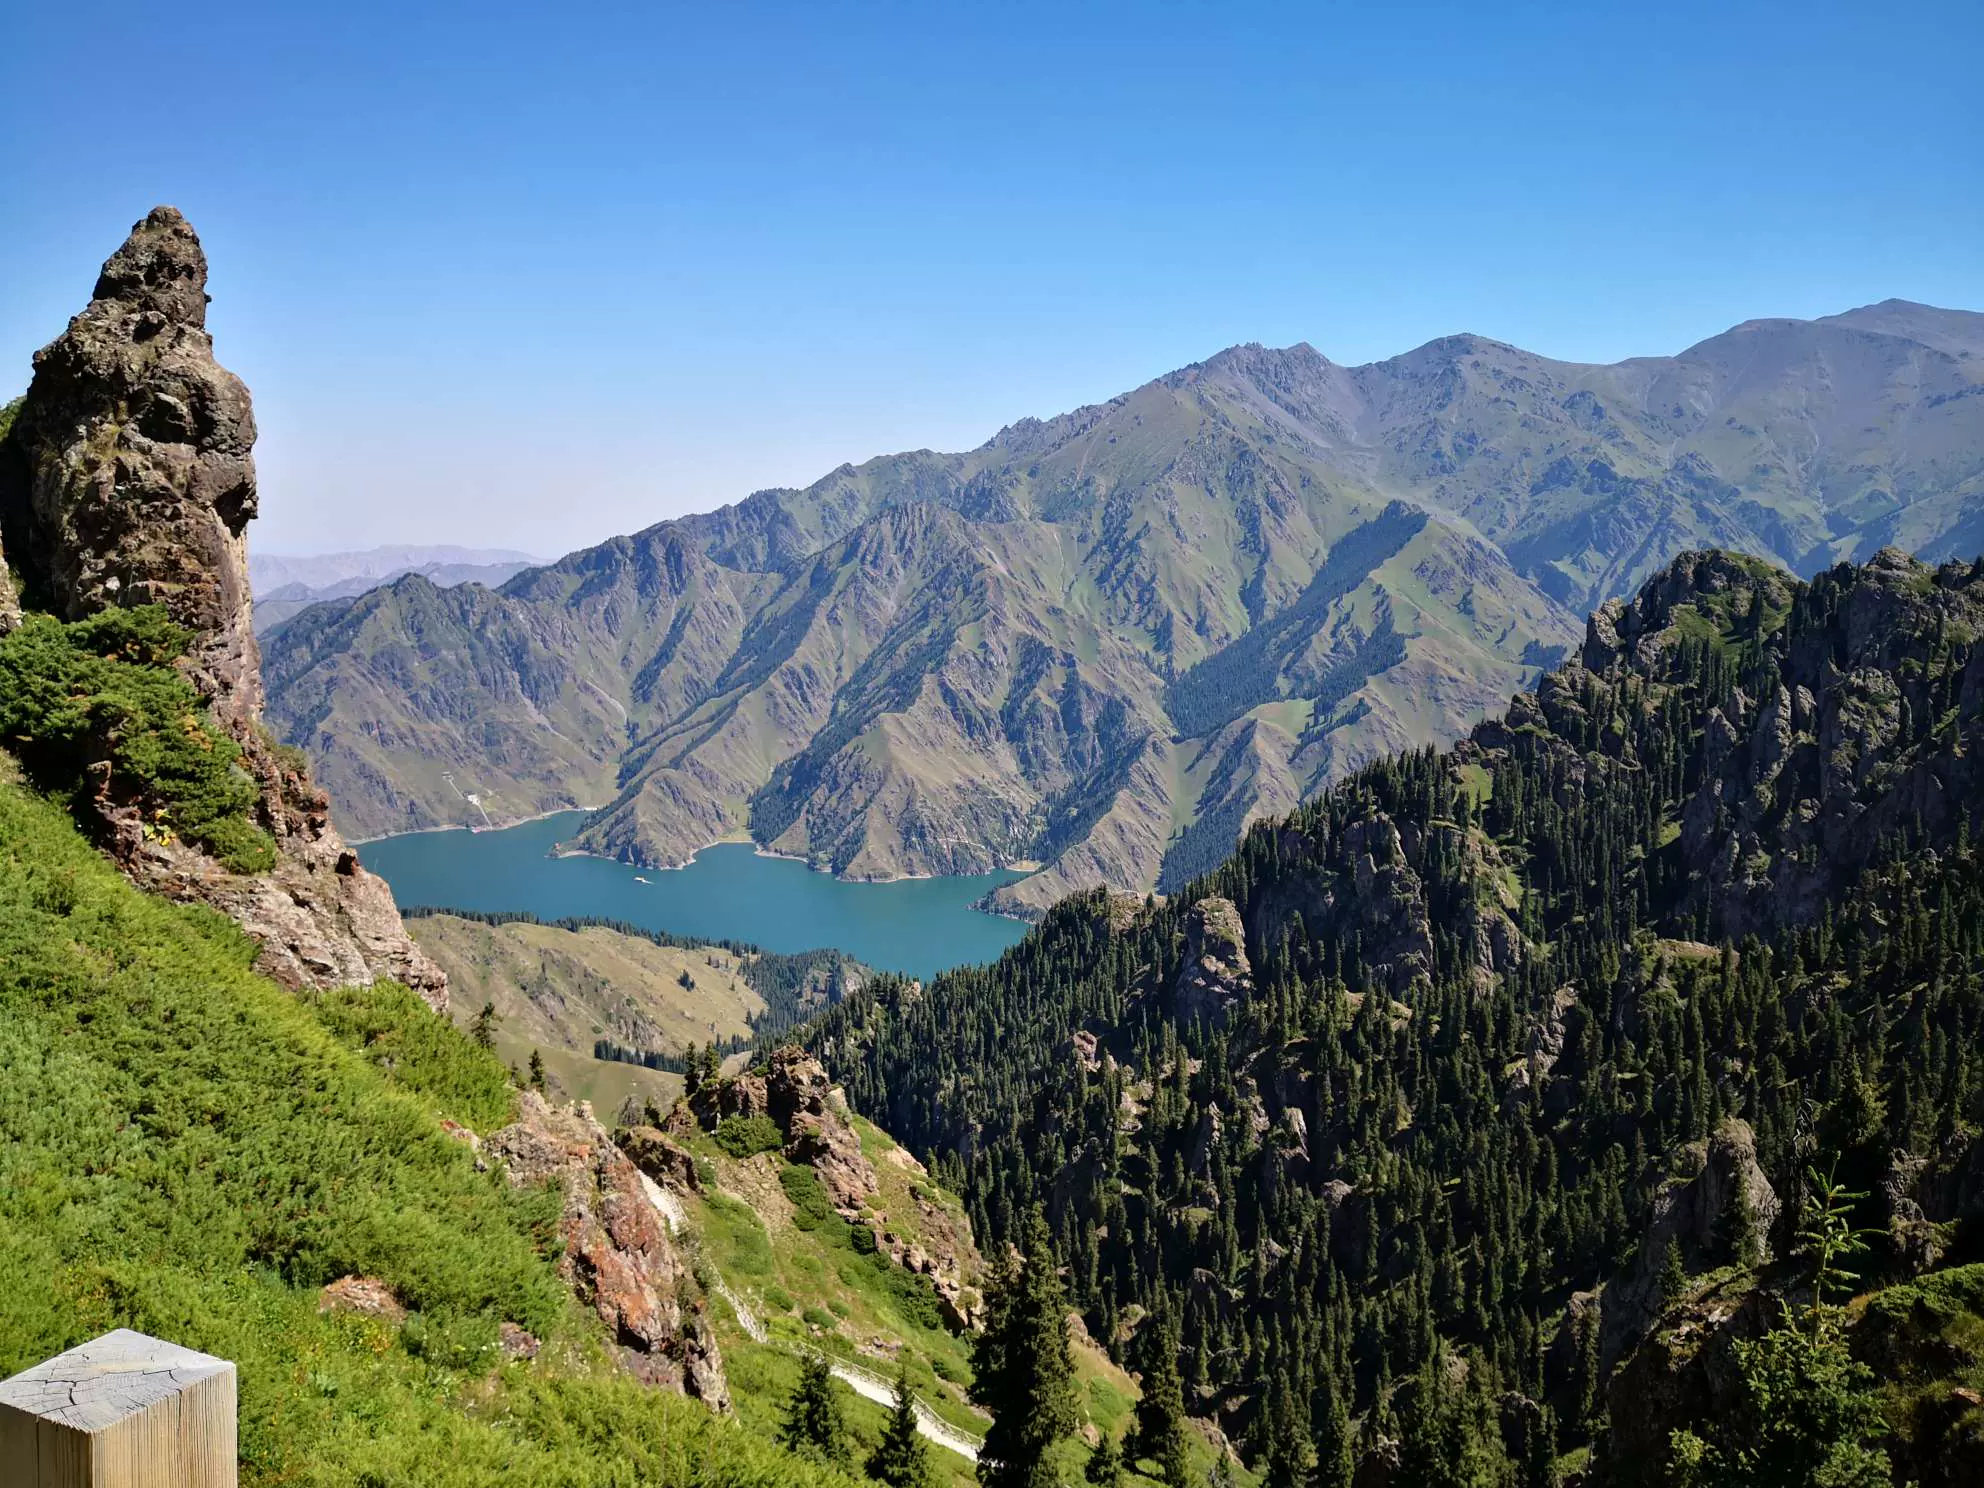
(816, 1131)
(620, 1258)
(1215, 974)
(1703, 1214)
(130, 480)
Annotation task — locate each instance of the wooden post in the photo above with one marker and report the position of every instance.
(122, 1411)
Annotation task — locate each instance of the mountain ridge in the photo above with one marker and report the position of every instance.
(707, 674)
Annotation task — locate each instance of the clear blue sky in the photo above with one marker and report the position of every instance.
(531, 275)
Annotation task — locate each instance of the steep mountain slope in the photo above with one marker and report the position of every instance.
(1107, 640)
(190, 1150)
(1505, 1051)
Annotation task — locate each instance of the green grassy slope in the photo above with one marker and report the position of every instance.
(187, 1150)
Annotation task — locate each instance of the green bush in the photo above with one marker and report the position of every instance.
(747, 1136)
(104, 690)
(820, 1319)
(778, 1298)
(814, 1210)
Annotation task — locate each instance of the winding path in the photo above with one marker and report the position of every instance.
(864, 1382)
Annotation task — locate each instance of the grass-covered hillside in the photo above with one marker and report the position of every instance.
(612, 1008)
(559, 992)
(188, 1150)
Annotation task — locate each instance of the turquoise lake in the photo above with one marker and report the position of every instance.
(918, 926)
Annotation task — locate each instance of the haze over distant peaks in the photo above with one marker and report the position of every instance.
(282, 591)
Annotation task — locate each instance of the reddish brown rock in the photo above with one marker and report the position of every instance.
(131, 481)
(620, 1258)
(813, 1117)
(516, 1342)
(363, 1295)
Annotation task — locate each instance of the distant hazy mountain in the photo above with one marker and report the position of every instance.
(287, 584)
(269, 571)
(1107, 640)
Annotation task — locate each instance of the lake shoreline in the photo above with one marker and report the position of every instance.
(735, 891)
(522, 821)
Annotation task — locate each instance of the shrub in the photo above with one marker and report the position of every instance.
(104, 690)
(747, 1136)
(778, 1298)
(809, 1199)
(820, 1319)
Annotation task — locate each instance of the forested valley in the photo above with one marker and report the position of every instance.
(1598, 1099)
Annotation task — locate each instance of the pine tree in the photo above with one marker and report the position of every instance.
(1283, 1452)
(901, 1460)
(692, 1071)
(483, 1029)
(537, 1071)
(1024, 1375)
(1336, 1449)
(1160, 1426)
(814, 1425)
(1105, 1464)
(1673, 1275)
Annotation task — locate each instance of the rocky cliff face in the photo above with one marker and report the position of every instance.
(130, 480)
(620, 1255)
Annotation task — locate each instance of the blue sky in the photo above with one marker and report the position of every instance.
(532, 275)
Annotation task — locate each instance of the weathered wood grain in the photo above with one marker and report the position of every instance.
(121, 1411)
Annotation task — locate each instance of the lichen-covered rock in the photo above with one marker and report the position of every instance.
(1215, 975)
(620, 1258)
(131, 481)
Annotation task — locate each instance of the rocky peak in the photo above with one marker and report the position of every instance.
(140, 478)
(130, 480)
(1215, 974)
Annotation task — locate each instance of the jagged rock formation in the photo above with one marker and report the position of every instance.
(128, 480)
(619, 1256)
(1215, 974)
(811, 1118)
(813, 1121)
(1718, 1190)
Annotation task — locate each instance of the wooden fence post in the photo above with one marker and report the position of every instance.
(122, 1411)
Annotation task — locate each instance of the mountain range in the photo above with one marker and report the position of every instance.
(1107, 641)
(287, 584)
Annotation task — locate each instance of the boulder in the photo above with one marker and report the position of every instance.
(662, 1158)
(367, 1296)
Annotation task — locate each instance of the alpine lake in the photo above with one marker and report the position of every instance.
(731, 891)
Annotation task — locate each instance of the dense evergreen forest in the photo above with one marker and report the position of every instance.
(1413, 1131)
